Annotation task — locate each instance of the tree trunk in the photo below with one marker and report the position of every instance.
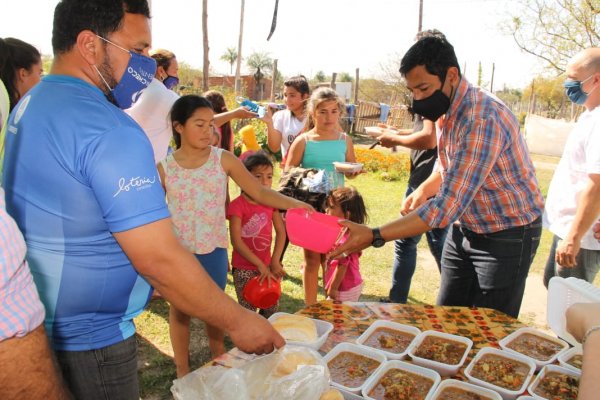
(239, 57)
(273, 75)
(205, 68)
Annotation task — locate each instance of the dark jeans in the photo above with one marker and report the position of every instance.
(405, 259)
(488, 270)
(109, 373)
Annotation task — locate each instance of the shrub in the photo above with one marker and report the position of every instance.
(389, 167)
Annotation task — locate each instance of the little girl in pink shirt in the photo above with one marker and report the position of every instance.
(342, 279)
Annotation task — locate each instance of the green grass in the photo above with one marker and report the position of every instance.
(383, 202)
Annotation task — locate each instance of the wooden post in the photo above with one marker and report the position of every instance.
(492, 83)
(238, 84)
(356, 81)
(273, 79)
(333, 77)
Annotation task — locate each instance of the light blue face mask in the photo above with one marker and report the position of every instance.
(574, 90)
(137, 76)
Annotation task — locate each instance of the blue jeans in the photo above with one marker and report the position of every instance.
(405, 259)
(588, 264)
(109, 373)
(488, 270)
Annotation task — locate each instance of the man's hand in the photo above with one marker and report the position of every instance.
(597, 231)
(389, 139)
(360, 238)
(566, 253)
(413, 201)
(255, 335)
(581, 317)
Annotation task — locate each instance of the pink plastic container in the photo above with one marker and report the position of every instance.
(313, 231)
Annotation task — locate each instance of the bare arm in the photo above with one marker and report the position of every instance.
(296, 152)
(338, 277)
(274, 137)
(240, 112)
(424, 139)
(420, 195)
(588, 209)
(280, 235)
(29, 370)
(156, 254)
(252, 187)
(580, 318)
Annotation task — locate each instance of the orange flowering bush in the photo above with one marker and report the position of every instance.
(390, 167)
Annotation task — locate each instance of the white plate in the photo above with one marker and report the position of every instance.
(481, 391)
(396, 364)
(347, 167)
(543, 372)
(324, 328)
(443, 369)
(538, 363)
(356, 349)
(562, 294)
(567, 355)
(505, 393)
(391, 325)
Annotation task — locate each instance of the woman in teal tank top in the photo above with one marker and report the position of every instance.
(319, 147)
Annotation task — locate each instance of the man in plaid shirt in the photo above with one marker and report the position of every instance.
(485, 181)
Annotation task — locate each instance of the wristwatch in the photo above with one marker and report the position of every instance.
(378, 241)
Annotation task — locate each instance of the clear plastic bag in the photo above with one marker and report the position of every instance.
(294, 372)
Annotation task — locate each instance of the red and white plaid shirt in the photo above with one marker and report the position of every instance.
(489, 181)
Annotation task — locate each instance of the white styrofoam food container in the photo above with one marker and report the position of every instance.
(374, 131)
(538, 363)
(488, 393)
(443, 369)
(505, 393)
(390, 325)
(357, 349)
(347, 167)
(543, 372)
(324, 328)
(525, 398)
(349, 396)
(397, 364)
(567, 355)
(562, 294)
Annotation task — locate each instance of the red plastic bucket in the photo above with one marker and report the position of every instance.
(262, 295)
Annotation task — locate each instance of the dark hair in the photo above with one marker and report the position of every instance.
(99, 16)
(218, 104)
(299, 83)
(183, 109)
(258, 159)
(351, 202)
(163, 58)
(434, 53)
(14, 55)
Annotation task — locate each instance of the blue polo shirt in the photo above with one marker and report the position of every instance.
(76, 170)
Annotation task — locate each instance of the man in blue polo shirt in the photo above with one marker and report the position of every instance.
(81, 183)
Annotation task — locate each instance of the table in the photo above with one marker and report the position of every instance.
(484, 326)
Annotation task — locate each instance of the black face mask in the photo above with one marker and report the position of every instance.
(434, 106)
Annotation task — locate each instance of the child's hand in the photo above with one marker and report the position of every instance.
(277, 269)
(266, 273)
(243, 113)
(332, 293)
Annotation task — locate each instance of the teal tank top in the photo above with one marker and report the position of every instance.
(321, 155)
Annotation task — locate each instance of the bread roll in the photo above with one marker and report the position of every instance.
(290, 361)
(332, 394)
(296, 328)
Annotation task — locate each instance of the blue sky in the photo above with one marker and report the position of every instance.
(312, 35)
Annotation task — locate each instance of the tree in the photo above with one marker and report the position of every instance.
(549, 96)
(230, 56)
(206, 65)
(259, 62)
(239, 51)
(555, 30)
(187, 74)
(320, 76)
(345, 77)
